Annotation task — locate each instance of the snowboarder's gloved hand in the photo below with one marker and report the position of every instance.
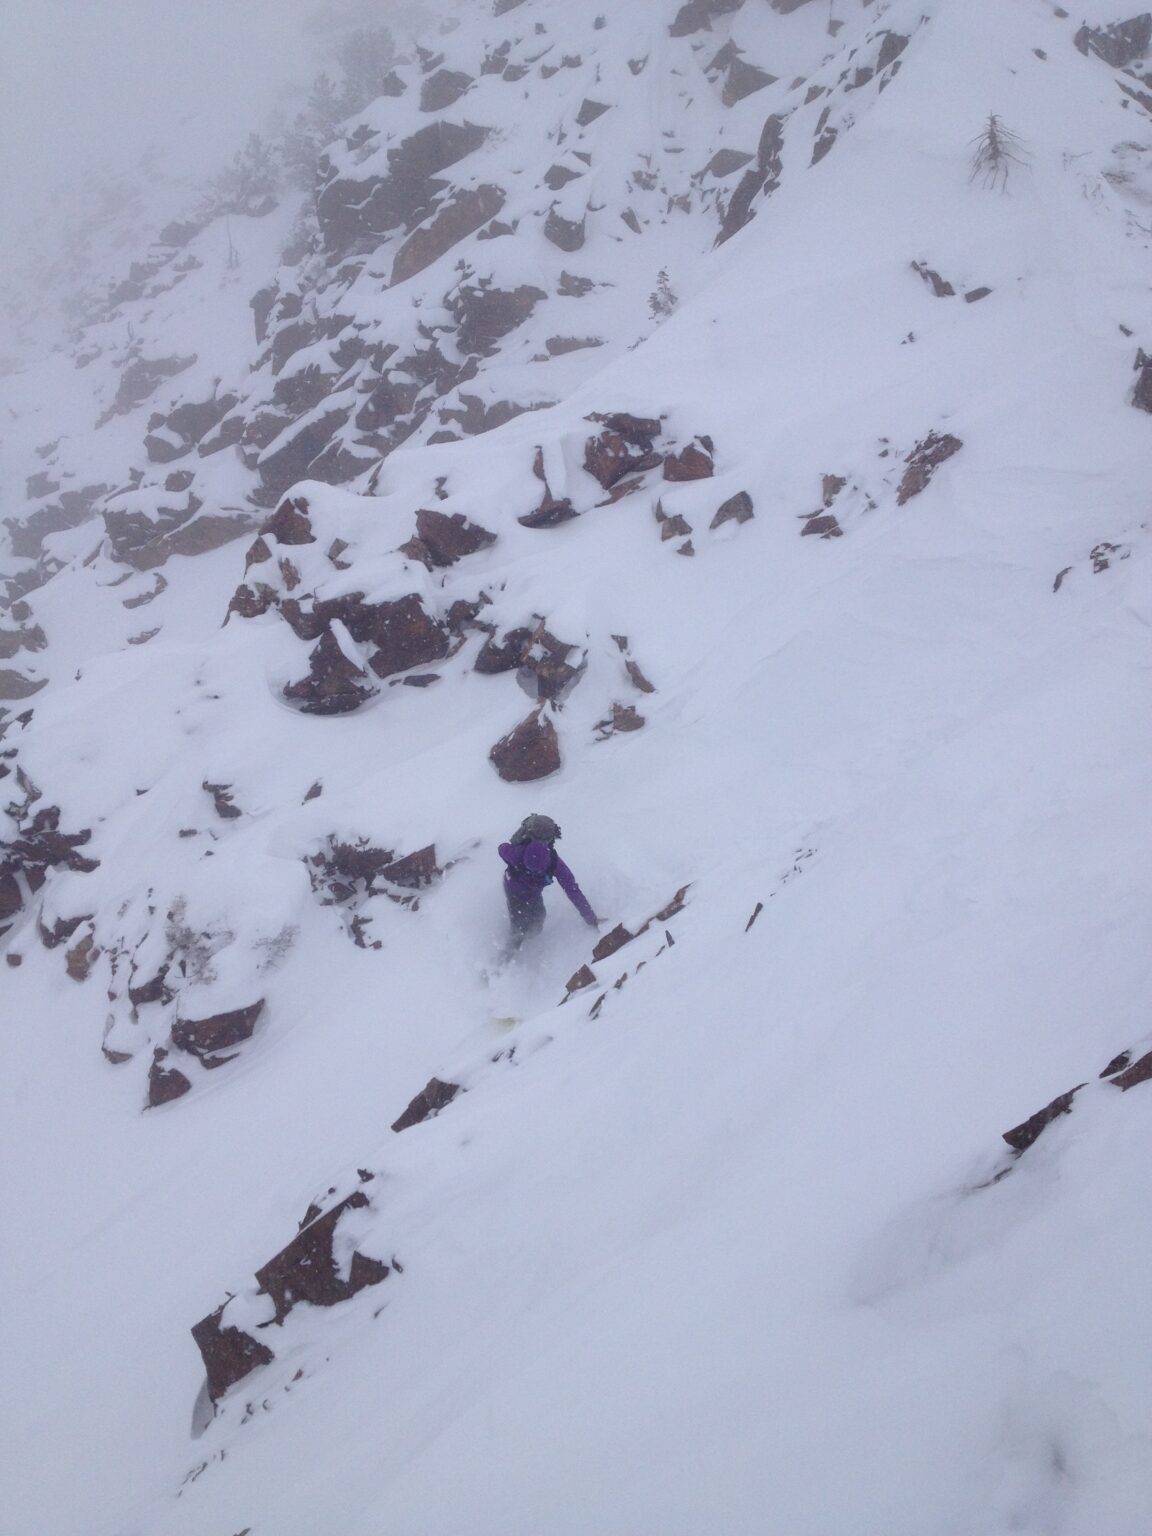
(593, 922)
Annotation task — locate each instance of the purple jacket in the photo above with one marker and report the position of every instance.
(532, 866)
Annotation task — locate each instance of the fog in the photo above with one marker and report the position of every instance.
(114, 115)
(90, 86)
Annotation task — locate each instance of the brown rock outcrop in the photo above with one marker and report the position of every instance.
(164, 1083)
(229, 1354)
(485, 315)
(691, 463)
(822, 525)
(431, 1099)
(456, 218)
(306, 1268)
(923, 462)
(763, 177)
(334, 685)
(207, 1037)
(624, 447)
(1121, 1072)
(530, 751)
(447, 538)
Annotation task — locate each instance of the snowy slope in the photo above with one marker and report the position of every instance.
(727, 1238)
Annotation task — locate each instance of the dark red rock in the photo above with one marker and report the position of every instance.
(306, 1268)
(624, 717)
(531, 751)
(79, 960)
(164, 1083)
(1021, 1137)
(229, 1354)
(638, 678)
(677, 904)
(427, 1104)
(611, 454)
(154, 990)
(544, 669)
(450, 538)
(824, 527)
(415, 870)
(204, 1037)
(61, 930)
(1139, 1072)
(923, 462)
(334, 685)
(549, 514)
(691, 463)
(404, 634)
(584, 977)
(343, 871)
(494, 658)
(615, 939)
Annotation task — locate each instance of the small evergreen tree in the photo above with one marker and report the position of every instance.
(997, 149)
(662, 300)
(251, 183)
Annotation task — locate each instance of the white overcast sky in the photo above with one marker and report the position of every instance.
(93, 82)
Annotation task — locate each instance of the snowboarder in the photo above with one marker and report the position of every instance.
(533, 863)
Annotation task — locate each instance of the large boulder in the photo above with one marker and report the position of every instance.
(205, 1038)
(442, 539)
(530, 751)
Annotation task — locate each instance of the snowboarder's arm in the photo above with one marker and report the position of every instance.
(507, 853)
(567, 883)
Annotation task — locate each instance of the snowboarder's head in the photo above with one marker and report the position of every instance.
(537, 829)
